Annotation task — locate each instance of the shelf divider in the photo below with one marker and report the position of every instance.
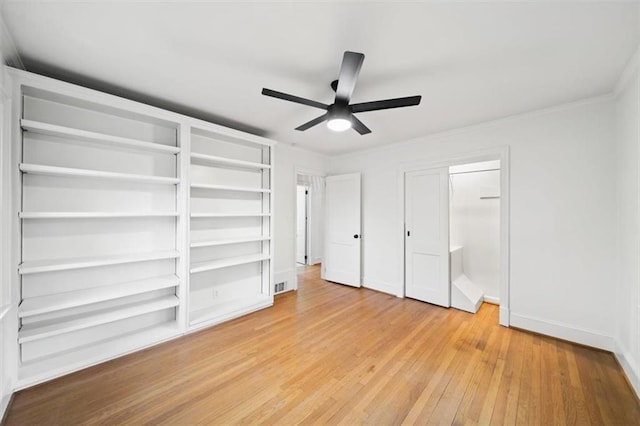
(93, 137)
(31, 332)
(229, 162)
(93, 215)
(210, 243)
(56, 302)
(38, 266)
(39, 169)
(230, 261)
(228, 188)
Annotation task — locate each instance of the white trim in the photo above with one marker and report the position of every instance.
(382, 286)
(4, 404)
(492, 300)
(501, 153)
(628, 73)
(562, 331)
(625, 360)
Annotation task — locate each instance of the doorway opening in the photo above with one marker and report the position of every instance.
(309, 220)
(456, 231)
(474, 234)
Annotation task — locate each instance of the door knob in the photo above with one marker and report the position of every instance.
(356, 236)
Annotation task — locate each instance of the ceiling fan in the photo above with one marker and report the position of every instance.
(340, 114)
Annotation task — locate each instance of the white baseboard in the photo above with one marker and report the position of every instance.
(381, 286)
(562, 331)
(288, 275)
(4, 404)
(492, 300)
(626, 362)
(315, 260)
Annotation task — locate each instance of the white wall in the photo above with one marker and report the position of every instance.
(627, 306)
(475, 225)
(287, 160)
(5, 229)
(562, 213)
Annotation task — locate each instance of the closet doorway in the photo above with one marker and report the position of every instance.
(456, 231)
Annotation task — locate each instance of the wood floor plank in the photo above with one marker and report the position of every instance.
(332, 354)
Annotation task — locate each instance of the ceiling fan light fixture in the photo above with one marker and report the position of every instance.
(339, 124)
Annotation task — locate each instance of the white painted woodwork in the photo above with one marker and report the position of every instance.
(224, 263)
(208, 243)
(427, 236)
(39, 266)
(55, 302)
(77, 135)
(230, 228)
(227, 188)
(213, 159)
(210, 215)
(301, 224)
(28, 333)
(93, 215)
(342, 229)
(118, 203)
(38, 169)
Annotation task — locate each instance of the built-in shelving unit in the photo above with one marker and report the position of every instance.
(133, 225)
(99, 216)
(230, 237)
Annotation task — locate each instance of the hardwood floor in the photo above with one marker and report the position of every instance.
(333, 354)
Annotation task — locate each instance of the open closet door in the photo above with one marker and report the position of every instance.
(427, 236)
(342, 229)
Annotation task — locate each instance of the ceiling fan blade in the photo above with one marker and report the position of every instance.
(359, 126)
(312, 123)
(349, 70)
(386, 104)
(292, 98)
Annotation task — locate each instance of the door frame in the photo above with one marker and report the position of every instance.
(307, 248)
(497, 153)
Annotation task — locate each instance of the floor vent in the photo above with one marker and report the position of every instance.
(280, 287)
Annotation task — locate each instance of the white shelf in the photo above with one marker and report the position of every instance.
(229, 162)
(93, 215)
(39, 169)
(209, 243)
(83, 135)
(226, 308)
(52, 366)
(37, 266)
(210, 215)
(31, 332)
(57, 302)
(228, 188)
(224, 263)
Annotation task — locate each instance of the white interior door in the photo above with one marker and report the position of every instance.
(301, 225)
(427, 236)
(342, 229)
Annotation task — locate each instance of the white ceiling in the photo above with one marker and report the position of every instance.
(471, 62)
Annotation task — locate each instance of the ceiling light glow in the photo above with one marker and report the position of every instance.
(339, 124)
